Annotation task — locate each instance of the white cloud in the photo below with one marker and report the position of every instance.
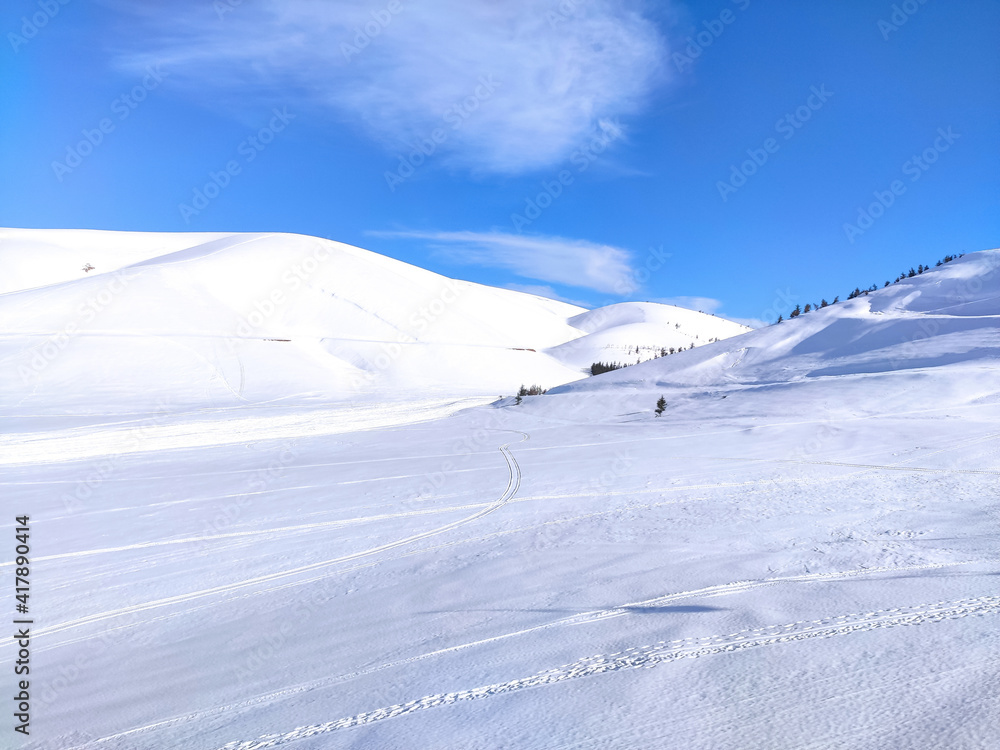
(577, 263)
(557, 68)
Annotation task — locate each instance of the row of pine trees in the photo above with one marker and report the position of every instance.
(858, 292)
(599, 367)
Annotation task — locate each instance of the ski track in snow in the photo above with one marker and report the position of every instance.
(513, 484)
(494, 535)
(513, 467)
(650, 656)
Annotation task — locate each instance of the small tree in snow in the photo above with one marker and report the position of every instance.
(661, 405)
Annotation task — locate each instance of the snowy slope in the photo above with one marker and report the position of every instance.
(633, 331)
(948, 315)
(221, 320)
(38, 257)
(801, 553)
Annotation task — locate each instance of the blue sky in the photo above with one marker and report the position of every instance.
(735, 156)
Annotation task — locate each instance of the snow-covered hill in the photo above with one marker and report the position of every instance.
(948, 315)
(98, 321)
(630, 332)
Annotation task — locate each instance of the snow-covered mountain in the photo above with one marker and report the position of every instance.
(93, 320)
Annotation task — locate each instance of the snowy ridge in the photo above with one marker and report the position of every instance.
(947, 315)
(101, 321)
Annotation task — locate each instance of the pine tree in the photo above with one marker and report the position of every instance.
(661, 404)
(807, 308)
(796, 312)
(823, 303)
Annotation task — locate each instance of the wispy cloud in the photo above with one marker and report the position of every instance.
(558, 68)
(576, 263)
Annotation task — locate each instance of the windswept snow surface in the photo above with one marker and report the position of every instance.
(800, 553)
